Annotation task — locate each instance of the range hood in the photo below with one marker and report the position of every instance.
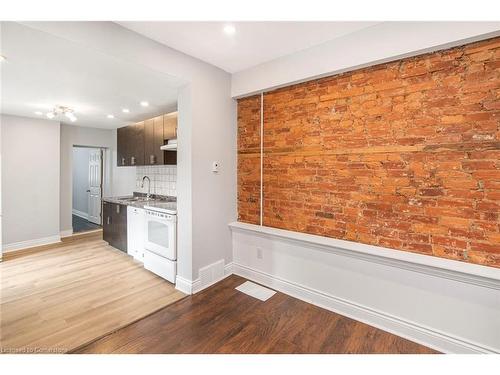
(170, 146)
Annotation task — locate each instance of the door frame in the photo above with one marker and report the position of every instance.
(103, 174)
(89, 191)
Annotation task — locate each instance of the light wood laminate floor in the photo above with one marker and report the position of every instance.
(59, 297)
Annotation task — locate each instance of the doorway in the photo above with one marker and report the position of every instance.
(87, 189)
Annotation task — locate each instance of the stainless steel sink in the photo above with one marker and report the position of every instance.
(131, 199)
(136, 199)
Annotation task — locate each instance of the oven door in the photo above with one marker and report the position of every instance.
(161, 234)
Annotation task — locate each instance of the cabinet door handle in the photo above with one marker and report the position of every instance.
(132, 160)
(108, 220)
(152, 159)
(117, 208)
(123, 161)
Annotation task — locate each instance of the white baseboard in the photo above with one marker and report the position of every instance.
(31, 243)
(435, 302)
(66, 233)
(198, 285)
(184, 285)
(81, 214)
(195, 286)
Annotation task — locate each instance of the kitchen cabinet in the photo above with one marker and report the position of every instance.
(139, 144)
(169, 132)
(136, 143)
(170, 126)
(151, 155)
(130, 145)
(122, 141)
(107, 229)
(115, 225)
(135, 232)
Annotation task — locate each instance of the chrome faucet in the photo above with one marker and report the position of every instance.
(148, 195)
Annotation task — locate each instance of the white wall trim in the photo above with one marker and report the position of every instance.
(195, 286)
(81, 214)
(66, 233)
(184, 285)
(31, 243)
(439, 267)
(198, 286)
(409, 330)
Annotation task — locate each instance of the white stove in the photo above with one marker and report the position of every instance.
(160, 245)
(164, 207)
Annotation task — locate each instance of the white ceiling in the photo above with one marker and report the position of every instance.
(42, 71)
(253, 43)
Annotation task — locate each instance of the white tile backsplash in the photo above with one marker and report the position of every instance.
(163, 179)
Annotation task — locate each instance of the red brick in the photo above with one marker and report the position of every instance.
(403, 155)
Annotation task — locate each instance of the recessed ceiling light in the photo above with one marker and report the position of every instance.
(125, 110)
(110, 116)
(144, 104)
(38, 113)
(229, 29)
(2, 58)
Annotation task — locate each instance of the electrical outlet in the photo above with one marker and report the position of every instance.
(259, 253)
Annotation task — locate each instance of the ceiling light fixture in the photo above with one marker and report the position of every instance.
(144, 104)
(229, 29)
(38, 113)
(2, 58)
(110, 116)
(125, 110)
(61, 110)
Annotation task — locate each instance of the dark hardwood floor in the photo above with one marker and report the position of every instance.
(223, 320)
(82, 225)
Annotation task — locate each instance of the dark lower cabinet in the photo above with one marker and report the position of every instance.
(114, 228)
(107, 228)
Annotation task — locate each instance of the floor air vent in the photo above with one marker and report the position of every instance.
(256, 291)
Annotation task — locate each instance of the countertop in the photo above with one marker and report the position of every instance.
(162, 203)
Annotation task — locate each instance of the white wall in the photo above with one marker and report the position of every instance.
(116, 180)
(81, 179)
(207, 132)
(30, 181)
(380, 43)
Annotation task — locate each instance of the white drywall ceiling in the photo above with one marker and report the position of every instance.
(252, 43)
(43, 70)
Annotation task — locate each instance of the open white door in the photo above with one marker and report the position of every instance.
(95, 186)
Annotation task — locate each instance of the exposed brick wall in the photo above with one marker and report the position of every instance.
(249, 160)
(404, 155)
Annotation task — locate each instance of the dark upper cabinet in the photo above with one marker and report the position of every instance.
(158, 139)
(150, 157)
(169, 132)
(122, 147)
(136, 143)
(139, 144)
